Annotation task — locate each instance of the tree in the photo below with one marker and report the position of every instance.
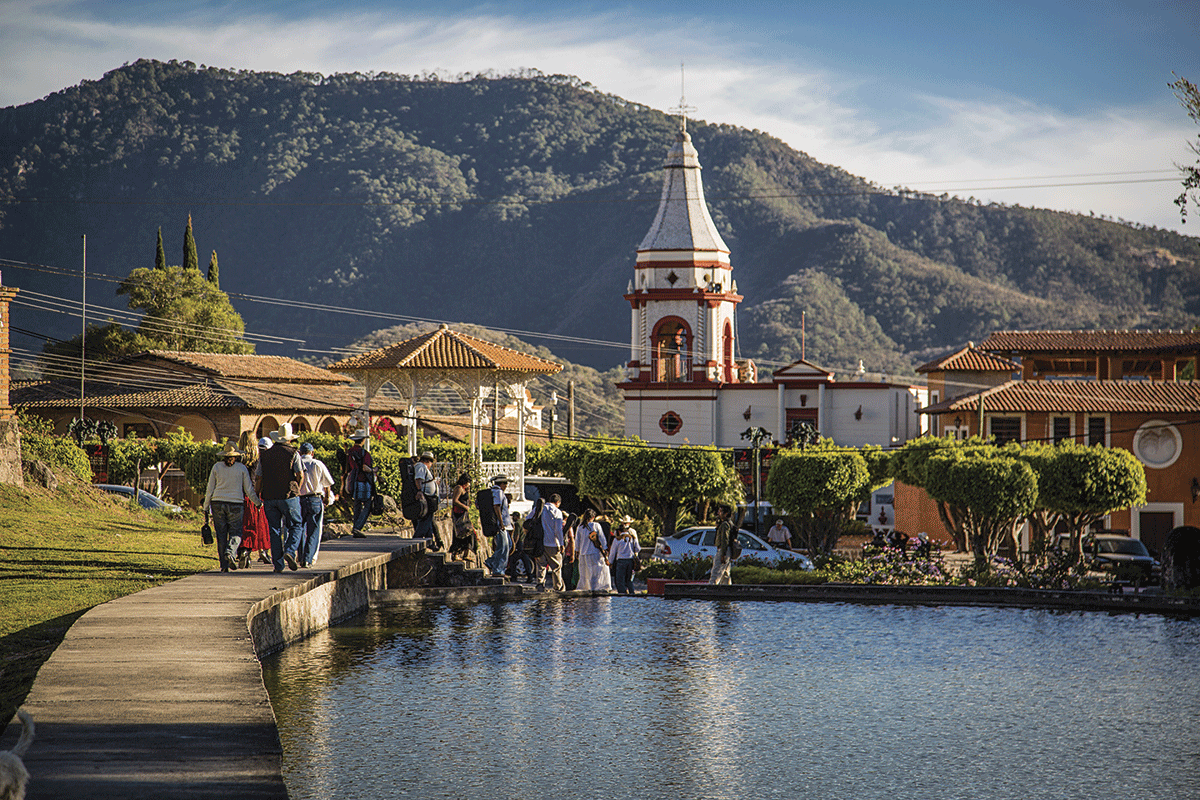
(160, 255)
(104, 343)
(190, 259)
(183, 311)
(1082, 485)
(663, 479)
(821, 489)
(986, 495)
(1189, 98)
(214, 271)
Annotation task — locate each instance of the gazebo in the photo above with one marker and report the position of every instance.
(474, 367)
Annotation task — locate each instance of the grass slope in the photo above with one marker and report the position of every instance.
(65, 551)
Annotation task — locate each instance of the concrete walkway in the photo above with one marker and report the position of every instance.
(160, 694)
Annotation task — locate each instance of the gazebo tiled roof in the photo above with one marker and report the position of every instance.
(446, 349)
(1136, 341)
(969, 359)
(1113, 397)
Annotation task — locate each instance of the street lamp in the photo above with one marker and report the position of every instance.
(757, 435)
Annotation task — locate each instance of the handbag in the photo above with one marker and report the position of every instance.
(376, 504)
(206, 534)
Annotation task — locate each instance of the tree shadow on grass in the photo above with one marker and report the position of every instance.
(21, 656)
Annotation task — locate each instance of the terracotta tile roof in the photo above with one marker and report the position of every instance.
(208, 394)
(1151, 397)
(969, 359)
(1138, 341)
(227, 365)
(446, 349)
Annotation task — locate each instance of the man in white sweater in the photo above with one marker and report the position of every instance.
(229, 485)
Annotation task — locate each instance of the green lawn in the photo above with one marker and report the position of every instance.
(66, 551)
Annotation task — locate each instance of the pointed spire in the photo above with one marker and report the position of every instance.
(683, 221)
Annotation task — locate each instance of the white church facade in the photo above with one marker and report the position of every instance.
(684, 383)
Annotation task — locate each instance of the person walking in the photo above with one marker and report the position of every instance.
(316, 492)
(256, 535)
(279, 474)
(228, 487)
(623, 554)
(360, 481)
(460, 517)
(502, 541)
(779, 536)
(591, 553)
(427, 483)
(550, 563)
(723, 559)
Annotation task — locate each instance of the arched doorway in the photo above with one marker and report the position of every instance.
(300, 425)
(265, 426)
(331, 426)
(201, 428)
(672, 351)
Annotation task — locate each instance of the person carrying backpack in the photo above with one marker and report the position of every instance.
(501, 524)
(360, 481)
(723, 559)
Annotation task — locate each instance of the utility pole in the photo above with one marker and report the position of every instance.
(496, 413)
(570, 409)
(83, 336)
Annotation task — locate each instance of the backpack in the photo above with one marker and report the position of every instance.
(412, 501)
(487, 512)
(735, 547)
(535, 543)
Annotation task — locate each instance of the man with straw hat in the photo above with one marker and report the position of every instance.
(228, 487)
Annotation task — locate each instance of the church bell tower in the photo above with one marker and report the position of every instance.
(682, 296)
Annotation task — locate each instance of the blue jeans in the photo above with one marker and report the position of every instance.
(287, 527)
(312, 509)
(623, 575)
(227, 527)
(423, 528)
(498, 563)
(362, 504)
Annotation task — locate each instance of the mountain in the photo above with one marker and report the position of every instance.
(516, 202)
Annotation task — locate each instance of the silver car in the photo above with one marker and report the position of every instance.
(701, 542)
(144, 498)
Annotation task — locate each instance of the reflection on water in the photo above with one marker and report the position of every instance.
(638, 698)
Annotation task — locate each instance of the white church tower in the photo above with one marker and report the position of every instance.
(683, 301)
(682, 296)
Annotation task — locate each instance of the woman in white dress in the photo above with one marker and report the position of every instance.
(591, 549)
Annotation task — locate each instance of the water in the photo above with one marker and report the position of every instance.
(641, 698)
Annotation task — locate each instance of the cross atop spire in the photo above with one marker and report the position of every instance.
(683, 108)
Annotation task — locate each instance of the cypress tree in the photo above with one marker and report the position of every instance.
(190, 259)
(160, 255)
(213, 271)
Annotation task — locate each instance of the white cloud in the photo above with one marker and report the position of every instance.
(921, 140)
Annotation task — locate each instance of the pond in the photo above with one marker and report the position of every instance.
(643, 698)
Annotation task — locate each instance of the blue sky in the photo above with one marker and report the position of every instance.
(1057, 105)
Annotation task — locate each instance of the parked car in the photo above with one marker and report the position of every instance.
(1125, 557)
(144, 498)
(1122, 555)
(701, 542)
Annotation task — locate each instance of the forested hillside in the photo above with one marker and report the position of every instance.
(517, 202)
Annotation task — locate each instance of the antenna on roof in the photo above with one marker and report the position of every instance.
(683, 108)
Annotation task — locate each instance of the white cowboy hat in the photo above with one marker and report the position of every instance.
(284, 434)
(230, 451)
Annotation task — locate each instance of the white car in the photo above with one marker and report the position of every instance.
(701, 542)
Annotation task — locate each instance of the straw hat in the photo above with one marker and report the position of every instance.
(500, 479)
(284, 434)
(359, 435)
(231, 451)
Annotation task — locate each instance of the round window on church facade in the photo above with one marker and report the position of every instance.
(1157, 444)
(670, 423)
